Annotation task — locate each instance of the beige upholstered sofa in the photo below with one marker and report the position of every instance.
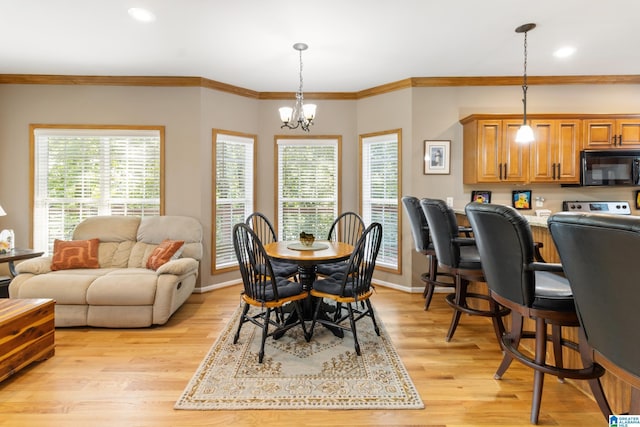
(122, 292)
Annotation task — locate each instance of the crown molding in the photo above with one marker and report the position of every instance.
(176, 81)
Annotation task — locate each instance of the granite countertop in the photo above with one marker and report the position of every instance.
(534, 221)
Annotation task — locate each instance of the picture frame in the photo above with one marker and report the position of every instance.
(637, 199)
(437, 157)
(481, 196)
(521, 199)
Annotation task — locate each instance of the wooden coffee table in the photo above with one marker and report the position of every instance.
(27, 333)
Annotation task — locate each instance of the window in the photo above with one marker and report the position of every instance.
(83, 171)
(233, 164)
(380, 192)
(308, 185)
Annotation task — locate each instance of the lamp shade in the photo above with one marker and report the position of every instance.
(2, 212)
(309, 111)
(285, 114)
(524, 135)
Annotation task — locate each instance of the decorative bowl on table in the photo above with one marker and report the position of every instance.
(307, 239)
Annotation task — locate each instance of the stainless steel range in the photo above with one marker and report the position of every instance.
(617, 208)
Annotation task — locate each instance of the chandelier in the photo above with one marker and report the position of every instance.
(525, 133)
(300, 115)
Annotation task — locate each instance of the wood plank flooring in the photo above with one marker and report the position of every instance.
(108, 377)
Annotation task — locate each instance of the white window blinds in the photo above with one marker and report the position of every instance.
(308, 190)
(234, 192)
(379, 192)
(80, 173)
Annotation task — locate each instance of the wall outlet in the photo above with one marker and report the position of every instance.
(450, 201)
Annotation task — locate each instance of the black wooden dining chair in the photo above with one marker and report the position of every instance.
(352, 290)
(600, 258)
(346, 228)
(458, 256)
(424, 245)
(263, 228)
(263, 289)
(531, 289)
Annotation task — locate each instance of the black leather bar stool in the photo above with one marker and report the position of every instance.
(458, 256)
(423, 245)
(533, 290)
(600, 258)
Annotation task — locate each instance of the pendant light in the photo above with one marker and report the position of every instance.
(301, 115)
(525, 133)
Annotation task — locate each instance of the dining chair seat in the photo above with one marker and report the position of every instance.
(552, 292)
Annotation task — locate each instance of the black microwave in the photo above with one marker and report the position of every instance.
(612, 167)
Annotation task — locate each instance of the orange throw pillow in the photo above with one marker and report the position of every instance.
(75, 254)
(163, 253)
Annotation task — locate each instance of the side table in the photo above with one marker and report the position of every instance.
(10, 257)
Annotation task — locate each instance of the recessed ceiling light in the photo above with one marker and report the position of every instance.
(142, 15)
(564, 52)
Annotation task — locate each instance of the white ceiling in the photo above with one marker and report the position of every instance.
(353, 44)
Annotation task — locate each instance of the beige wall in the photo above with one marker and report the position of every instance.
(189, 114)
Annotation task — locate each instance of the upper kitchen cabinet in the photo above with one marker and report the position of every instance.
(491, 154)
(611, 132)
(555, 153)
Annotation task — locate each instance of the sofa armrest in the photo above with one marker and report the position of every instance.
(40, 265)
(178, 266)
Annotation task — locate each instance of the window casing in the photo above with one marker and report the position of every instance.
(233, 182)
(380, 192)
(83, 171)
(308, 185)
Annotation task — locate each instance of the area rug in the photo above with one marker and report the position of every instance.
(325, 373)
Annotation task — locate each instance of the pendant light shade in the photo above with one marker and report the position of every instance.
(525, 133)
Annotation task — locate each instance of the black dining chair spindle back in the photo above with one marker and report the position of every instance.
(260, 224)
(353, 286)
(346, 228)
(263, 289)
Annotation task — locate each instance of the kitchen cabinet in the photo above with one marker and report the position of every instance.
(611, 133)
(555, 153)
(491, 154)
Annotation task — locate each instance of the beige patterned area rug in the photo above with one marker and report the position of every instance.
(325, 373)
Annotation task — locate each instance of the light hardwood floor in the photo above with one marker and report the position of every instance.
(103, 377)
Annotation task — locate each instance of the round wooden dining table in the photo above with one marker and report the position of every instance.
(307, 259)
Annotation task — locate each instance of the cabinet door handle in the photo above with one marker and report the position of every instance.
(558, 170)
(554, 171)
(500, 171)
(505, 171)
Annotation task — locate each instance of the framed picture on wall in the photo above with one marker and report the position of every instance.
(481, 196)
(437, 159)
(521, 199)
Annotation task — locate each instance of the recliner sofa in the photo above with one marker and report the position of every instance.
(122, 292)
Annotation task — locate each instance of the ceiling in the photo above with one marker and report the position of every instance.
(353, 44)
